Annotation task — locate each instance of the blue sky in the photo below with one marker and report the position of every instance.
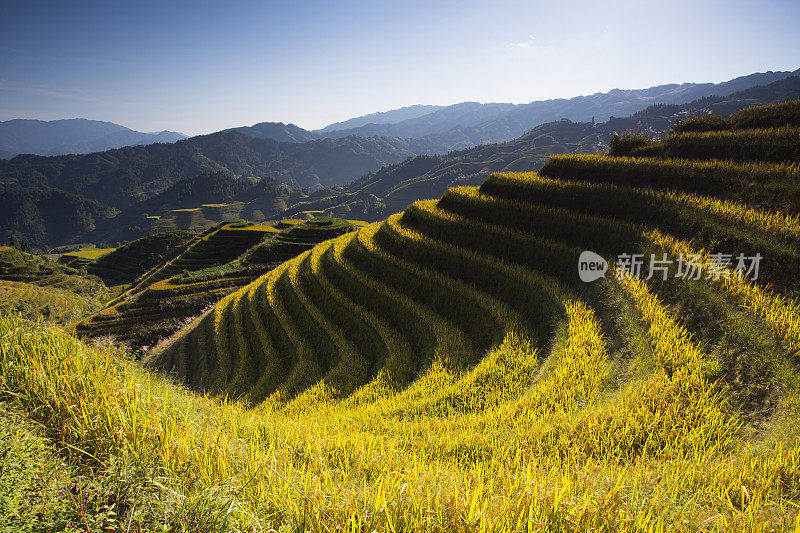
(201, 66)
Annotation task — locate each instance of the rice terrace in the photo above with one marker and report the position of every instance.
(588, 323)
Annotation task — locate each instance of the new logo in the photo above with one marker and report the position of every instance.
(591, 266)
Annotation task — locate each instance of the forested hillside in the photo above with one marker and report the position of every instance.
(121, 177)
(197, 203)
(45, 217)
(277, 131)
(83, 189)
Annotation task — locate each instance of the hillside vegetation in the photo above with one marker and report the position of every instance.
(124, 176)
(126, 263)
(197, 275)
(446, 369)
(198, 203)
(49, 216)
(49, 303)
(34, 287)
(19, 266)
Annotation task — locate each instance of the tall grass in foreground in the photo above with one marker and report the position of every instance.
(212, 466)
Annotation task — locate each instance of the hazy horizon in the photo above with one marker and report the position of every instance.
(199, 69)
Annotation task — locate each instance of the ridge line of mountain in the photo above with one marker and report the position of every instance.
(71, 136)
(427, 129)
(468, 124)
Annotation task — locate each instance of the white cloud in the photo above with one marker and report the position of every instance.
(530, 45)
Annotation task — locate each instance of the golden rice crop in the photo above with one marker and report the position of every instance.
(356, 468)
(444, 371)
(528, 185)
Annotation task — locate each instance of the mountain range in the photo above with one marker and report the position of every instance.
(440, 129)
(354, 172)
(72, 136)
(384, 117)
(379, 194)
(428, 129)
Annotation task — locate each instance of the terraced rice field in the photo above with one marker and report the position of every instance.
(22, 267)
(128, 262)
(149, 310)
(447, 369)
(90, 253)
(207, 270)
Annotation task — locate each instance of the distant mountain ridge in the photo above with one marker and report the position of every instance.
(277, 131)
(453, 116)
(440, 129)
(470, 123)
(383, 117)
(431, 129)
(72, 136)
